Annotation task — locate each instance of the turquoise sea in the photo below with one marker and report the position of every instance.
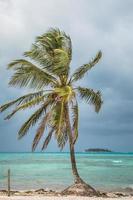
(53, 170)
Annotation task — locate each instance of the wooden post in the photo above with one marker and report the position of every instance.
(9, 182)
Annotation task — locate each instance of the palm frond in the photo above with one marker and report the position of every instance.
(62, 138)
(42, 50)
(91, 97)
(52, 39)
(81, 71)
(75, 118)
(27, 74)
(20, 100)
(47, 139)
(67, 45)
(58, 123)
(40, 55)
(58, 48)
(33, 119)
(58, 117)
(26, 105)
(40, 131)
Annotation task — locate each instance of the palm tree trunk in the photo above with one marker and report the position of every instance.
(85, 189)
(77, 178)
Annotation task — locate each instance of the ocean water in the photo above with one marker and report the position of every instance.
(106, 171)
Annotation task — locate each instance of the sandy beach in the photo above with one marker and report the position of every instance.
(61, 198)
(54, 195)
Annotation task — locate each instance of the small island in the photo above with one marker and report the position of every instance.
(97, 150)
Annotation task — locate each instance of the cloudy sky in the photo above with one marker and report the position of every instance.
(92, 25)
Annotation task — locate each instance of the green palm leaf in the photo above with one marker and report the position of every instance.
(33, 119)
(59, 117)
(27, 74)
(62, 138)
(47, 140)
(40, 55)
(20, 100)
(24, 106)
(91, 97)
(50, 40)
(40, 131)
(75, 117)
(58, 51)
(58, 124)
(81, 71)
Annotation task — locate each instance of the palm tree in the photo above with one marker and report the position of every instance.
(47, 71)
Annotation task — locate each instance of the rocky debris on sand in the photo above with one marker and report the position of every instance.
(76, 190)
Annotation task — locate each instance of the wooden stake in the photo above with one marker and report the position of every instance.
(9, 182)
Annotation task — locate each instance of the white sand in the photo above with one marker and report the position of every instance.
(61, 198)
